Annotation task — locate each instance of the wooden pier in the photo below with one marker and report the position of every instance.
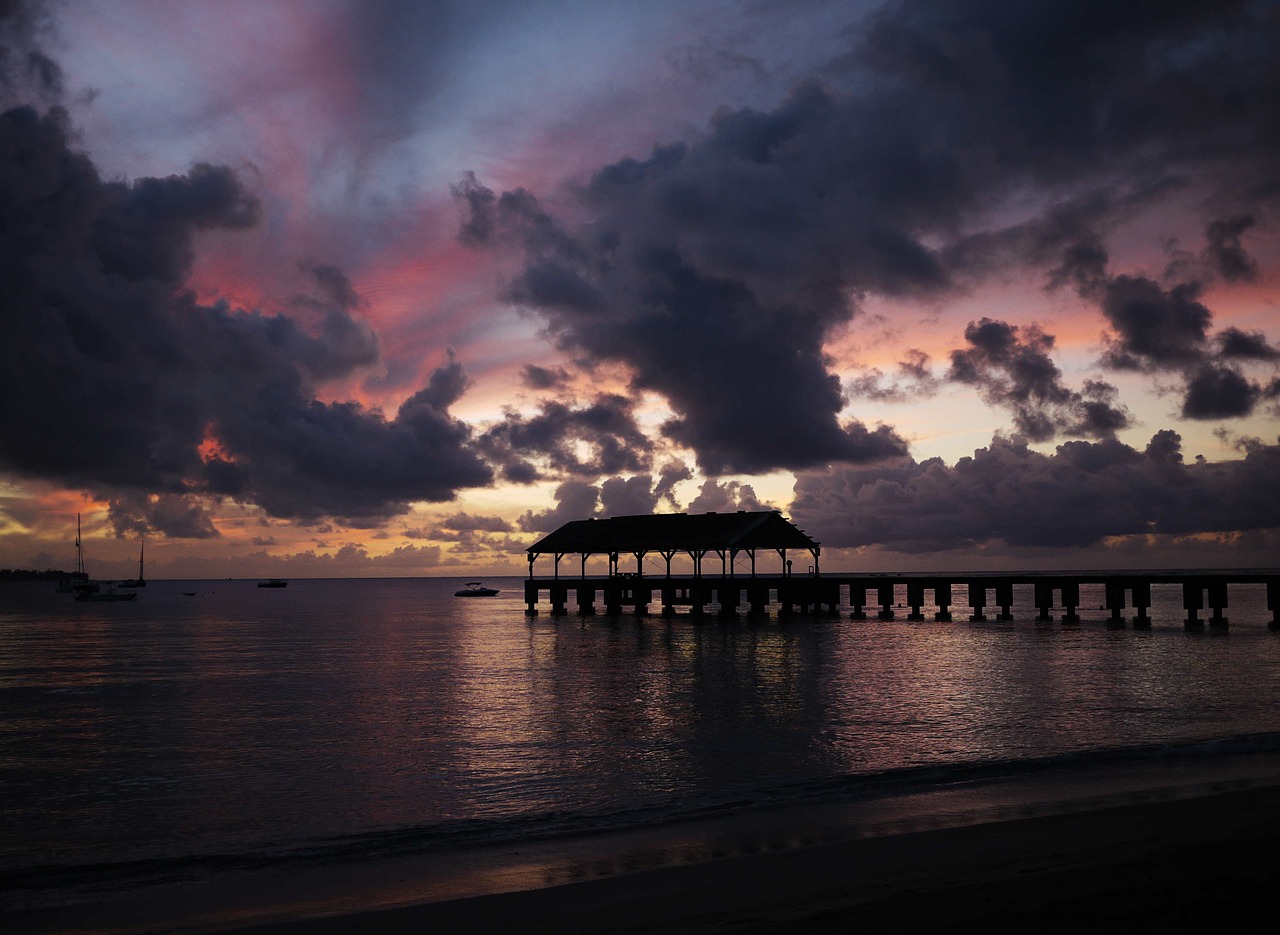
(1205, 596)
(730, 535)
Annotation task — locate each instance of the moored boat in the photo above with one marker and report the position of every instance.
(475, 589)
(273, 583)
(96, 593)
(140, 581)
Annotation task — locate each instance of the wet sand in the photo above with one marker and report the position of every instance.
(1160, 866)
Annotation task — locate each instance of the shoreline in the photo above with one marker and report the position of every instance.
(1159, 865)
(1174, 840)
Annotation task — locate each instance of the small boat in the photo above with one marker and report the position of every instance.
(96, 593)
(140, 581)
(273, 583)
(474, 589)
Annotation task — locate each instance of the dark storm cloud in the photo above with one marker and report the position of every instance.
(557, 433)
(114, 375)
(1226, 252)
(1219, 393)
(1245, 345)
(1077, 496)
(670, 474)
(1155, 328)
(177, 516)
(1158, 329)
(144, 230)
(27, 74)
(1011, 368)
(716, 269)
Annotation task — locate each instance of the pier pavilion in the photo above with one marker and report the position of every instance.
(728, 535)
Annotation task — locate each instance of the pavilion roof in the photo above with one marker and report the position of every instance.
(675, 532)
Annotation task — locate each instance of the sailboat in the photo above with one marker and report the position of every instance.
(78, 579)
(140, 581)
(86, 590)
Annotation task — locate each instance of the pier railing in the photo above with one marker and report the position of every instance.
(1205, 595)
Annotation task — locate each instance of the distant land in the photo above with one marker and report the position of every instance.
(30, 574)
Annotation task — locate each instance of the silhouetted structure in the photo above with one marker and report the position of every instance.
(669, 534)
(731, 534)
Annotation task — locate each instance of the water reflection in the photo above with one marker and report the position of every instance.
(382, 714)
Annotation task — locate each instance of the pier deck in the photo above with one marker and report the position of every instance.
(880, 595)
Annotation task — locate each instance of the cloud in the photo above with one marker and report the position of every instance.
(544, 378)
(1219, 393)
(174, 516)
(27, 74)
(914, 380)
(716, 268)
(114, 376)
(1155, 328)
(585, 441)
(726, 497)
(1245, 345)
(1159, 329)
(1225, 251)
(468, 522)
(575, 500)
(1081, 494)
(614, 496)
(1011, 368)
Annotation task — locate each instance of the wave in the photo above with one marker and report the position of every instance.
(1072, 776)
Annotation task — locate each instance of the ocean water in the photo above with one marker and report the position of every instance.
(215, 738)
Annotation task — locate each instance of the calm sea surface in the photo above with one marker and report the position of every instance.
(346, 722)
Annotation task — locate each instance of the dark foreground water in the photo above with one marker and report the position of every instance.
(180, 746)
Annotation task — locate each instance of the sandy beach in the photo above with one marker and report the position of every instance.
(1158, 866)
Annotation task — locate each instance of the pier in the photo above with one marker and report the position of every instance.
(753, 590)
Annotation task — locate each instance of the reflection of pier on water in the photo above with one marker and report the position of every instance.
(1126, 595)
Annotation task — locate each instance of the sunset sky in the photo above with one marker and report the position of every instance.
(394, 288)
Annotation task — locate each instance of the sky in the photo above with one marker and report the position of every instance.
(334, 288)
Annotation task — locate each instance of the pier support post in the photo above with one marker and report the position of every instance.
(1141, 603)
(858, 600)
(830, 596)
(559, 595)
(586, 602)
(1192, 602)
(942, 597)
(1115, 602)
(1004, 598)
(668, 599)
(1273, 602)
(1218, 603)
(915, 599)
(531, 598)
(1070, 601)
(728, 595)
(699, 595)
(1044, 601)
(977, 600)
(884, 596)
(612, 599)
